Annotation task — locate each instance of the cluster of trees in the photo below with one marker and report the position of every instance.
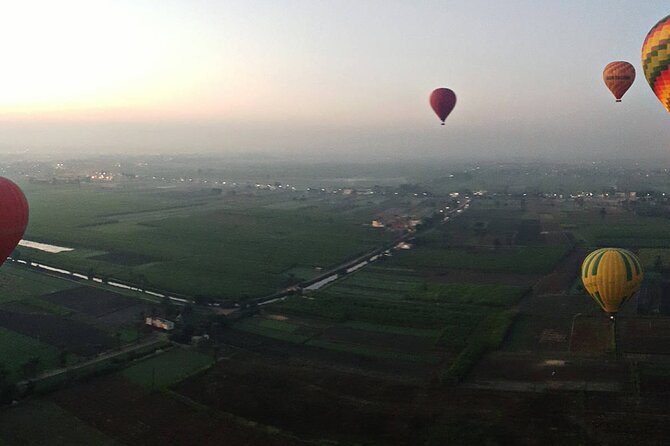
(27, 371)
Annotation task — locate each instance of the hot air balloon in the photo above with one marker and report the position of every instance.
(13, 217)
(443, 101)
(618, 77)
(656, 60)
(611, 276)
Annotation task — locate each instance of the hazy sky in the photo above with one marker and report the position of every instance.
(331, 78)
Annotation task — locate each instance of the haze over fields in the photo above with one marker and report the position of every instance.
(326, 80)
(240, 222)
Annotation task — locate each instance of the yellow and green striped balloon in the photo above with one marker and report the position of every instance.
(611, 276)
(656, 60)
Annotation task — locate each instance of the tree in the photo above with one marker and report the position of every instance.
(30, 367)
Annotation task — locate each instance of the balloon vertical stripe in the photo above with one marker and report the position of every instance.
(638, 267)
(626, 263)
(634, 262)
(594, 271)
(598, 299)
(588, 260)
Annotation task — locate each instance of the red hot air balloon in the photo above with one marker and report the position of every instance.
(618, 77)
(13, 217)
(443, 102)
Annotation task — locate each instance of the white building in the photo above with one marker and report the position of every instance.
(161, 323)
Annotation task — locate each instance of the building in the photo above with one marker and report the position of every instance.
(161, 323)
(414, 222)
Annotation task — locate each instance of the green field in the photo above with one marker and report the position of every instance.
(167, 368)
(385, 300)
(625, 229)
(385, 284)
(21, 292)
(17, 349)
(428, 333)
(17, 283)
(521, 259)
(281, 330)
(402, 296)
(218, 246)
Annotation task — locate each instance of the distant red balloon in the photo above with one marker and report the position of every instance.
(13, 217)
(443, 101)
(618, 77)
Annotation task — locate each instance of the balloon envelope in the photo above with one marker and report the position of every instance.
(618, 77)
(13, 217)
(611, 276)
(656, 60)
(443, 101)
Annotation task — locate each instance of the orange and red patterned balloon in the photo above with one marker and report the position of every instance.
(656, 60)
(618, 77)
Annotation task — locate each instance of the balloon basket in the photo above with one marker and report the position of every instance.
(618, 100)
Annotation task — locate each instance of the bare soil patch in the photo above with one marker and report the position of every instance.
(134, 416)
(591, 335)
(302, 355)
(541, 368)
(644, 335)
(74, 336)
(312, 402)
(377, 340)
(563, 276)
(90, 301)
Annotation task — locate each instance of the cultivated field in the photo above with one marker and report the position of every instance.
(168, 368)
(190, 241)
(478, 334)
(48, 322)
